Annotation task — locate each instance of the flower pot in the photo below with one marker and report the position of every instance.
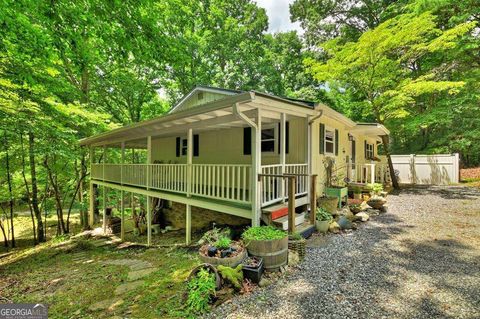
(329, 203)
(232, 261)
(322, 225)
(298, 246)
(254, 274)
(273, 252)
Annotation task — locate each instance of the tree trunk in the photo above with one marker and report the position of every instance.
(61, 229)
(27, 189)
(33, 173)
(10, 193)
(386, 147)
(5, 239)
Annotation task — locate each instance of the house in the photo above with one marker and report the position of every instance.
(227, 151)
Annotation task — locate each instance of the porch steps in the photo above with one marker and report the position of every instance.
(282, 222)
(277, 211)
(306, 229)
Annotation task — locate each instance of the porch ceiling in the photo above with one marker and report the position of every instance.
(214, 116)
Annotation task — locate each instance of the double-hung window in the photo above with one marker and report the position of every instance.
(369, 151)
(268, 139)
(329, 141)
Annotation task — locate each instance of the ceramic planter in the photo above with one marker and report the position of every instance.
(322, 225)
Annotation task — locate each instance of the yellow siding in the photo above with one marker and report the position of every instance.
(226, 147)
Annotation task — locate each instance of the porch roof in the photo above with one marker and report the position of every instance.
(218, 114)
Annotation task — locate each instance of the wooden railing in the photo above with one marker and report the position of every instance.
(274, 186)
(370, 173)
(230, 182)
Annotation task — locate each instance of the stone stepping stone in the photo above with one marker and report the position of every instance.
(141, 264)
(109, 304)
(127, 287)
(138, 274)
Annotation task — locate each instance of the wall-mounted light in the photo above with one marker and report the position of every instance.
(350, 137)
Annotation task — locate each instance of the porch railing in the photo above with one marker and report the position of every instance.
(273, 187)
(225, 182)
(370, 173)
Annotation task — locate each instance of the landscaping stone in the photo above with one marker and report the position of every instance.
(127, 287)
(362, 216)
(264, 282)
(344, 223)
(106, 304)
(334, 227)
(293, 258)
(138, 274)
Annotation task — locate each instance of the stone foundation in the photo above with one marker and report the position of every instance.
(201, 218)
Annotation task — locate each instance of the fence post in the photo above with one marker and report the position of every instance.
(313, 199)
(413, 169)
(291, 203)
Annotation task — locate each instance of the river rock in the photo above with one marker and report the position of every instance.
(293, 258)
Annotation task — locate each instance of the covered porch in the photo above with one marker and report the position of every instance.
(192, 157)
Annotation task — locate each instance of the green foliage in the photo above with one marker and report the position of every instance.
(323, 214)
(214, 235)
(376, 188)
(232, 275)
(200, 288)
(263, 233)
(295, 236)
(223, 243)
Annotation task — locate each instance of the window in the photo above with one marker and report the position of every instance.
(184, 147)
(268, 140)
(369, 151)
(329, 141)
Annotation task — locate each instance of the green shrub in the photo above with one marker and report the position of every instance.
(232, 275)
(201, 288)
(263, 233)
(223, 243)
(212, 236)
(376, 188)
(295, 236)
(323, 215)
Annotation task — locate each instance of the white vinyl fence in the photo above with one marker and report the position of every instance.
(442, 169)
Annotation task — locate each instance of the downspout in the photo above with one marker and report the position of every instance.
(310, 153)
(256, 159)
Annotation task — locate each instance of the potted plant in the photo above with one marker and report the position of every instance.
(269, 243)
(355, 205)
(221, 250)
(253, 268)
(376, 201)
(332, 187)
(323, 220)
(357, 192)
(297, 243)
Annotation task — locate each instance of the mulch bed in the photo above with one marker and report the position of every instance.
(470, 173)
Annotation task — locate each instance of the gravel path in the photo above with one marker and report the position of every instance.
(419, 260)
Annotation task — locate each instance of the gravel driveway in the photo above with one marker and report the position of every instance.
(421, 259)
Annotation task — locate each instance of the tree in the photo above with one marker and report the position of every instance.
(381, 68)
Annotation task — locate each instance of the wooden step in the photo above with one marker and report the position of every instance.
(276, 211)
(283, 221)
(306, 229)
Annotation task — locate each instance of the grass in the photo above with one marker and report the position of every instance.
(51, 273)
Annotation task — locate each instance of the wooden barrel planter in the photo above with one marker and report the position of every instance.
(273, 252)
(233, 261)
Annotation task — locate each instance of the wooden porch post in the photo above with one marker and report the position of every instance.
(283, 142)
(256, 169)
(292, 185)
(372, 173)
(313, 199)
(104, 223)
(122, 197)
(188, 217)
(149, 211)
(91, 213)
(308, 157)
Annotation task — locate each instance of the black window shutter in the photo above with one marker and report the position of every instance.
(177, 150)
(196, 145)
(336, 142)
(247, 141)
(365, 147)
(354, 151)
(287, 136)
(322, 138)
